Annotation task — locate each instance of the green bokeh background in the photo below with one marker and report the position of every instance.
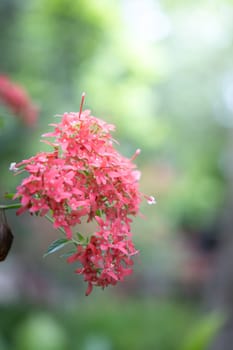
(162, 72)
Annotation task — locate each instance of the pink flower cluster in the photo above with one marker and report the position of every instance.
(84, 176)
(17, 100)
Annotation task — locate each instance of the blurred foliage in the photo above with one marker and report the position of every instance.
(134, 324)
(202, 335)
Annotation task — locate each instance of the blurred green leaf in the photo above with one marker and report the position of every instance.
(40, 331)
(200, 336)
(57, 245)
(9, 195)
(81, 238)
(68, 254)
(98, 212)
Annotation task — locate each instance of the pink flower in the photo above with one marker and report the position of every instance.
(84, 176)
(17, 100)
(106, 259)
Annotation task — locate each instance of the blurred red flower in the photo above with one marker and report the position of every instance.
(15, 97)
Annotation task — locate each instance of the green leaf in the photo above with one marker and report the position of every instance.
(68, 254)
(98, 212)
(80, 237)
(57, 245)
(82, 240)
(201, 335)
(9, 195)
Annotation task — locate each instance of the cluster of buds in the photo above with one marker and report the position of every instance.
(85, 176)
(15, 98)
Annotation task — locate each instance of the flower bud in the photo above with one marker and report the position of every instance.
(6, 236)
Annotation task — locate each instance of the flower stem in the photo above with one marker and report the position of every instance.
(61, 230)
(10, 206)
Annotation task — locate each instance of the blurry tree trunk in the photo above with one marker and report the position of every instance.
(9, 11)
(219, 291)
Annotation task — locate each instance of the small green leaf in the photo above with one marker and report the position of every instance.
(57, 245)
(98, 212)
(80, 237)
(9, 195)
(68, 254)
(82, 240)
(201, 336)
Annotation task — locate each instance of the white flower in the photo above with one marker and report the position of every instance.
(151, 200)
(13, 167)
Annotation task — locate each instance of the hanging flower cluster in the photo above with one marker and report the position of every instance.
(17, 100)
(84, 176)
